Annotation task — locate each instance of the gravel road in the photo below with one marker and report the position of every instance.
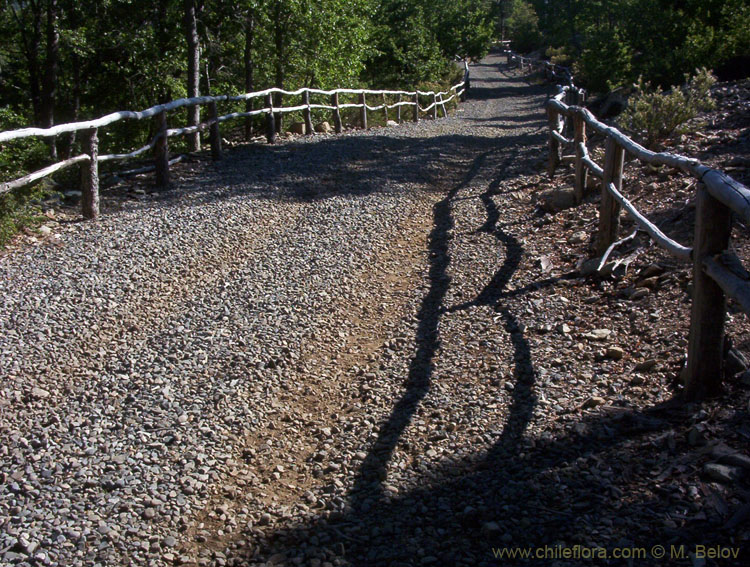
(309, 354)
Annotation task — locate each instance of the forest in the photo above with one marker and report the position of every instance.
(610, 43)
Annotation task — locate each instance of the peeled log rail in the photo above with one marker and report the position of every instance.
(675, 248)
(719, 185)
(44, 172)
(159, 143)
(733, 285)
(560, 138)
(594, 169)
(718, 196)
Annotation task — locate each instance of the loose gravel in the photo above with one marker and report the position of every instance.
(333, 351)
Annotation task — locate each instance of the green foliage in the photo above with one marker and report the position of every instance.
(654, 116)
(19, 208)
(523, 27)
(605, 63)
(613, 42)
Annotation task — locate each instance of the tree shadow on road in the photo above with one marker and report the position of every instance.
(519, 492)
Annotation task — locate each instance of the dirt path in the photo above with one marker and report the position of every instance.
(365, 350)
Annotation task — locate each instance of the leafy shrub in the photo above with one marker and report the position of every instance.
(19, 208)
(654, 116)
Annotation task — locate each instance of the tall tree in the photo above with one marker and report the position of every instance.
(193, 71)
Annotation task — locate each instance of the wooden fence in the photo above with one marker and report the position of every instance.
(718, 198)
(90, 159)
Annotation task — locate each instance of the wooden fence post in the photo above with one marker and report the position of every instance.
(363, 110)
(435, 107)
(307, 112)
(442, 105)
(214, 132)
(416, 106)
(713, 229)
(336, 113)
(580, 147)
(161, 151)
(249, 119)
(553, 121)
(279, 116)
(609, 208)
(385, 109)
(90, 175)
(270, 121)
(398, 110)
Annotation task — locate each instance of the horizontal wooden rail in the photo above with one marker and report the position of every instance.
(733, 285)
(675, 248)
(159, 143)
(186, 102)
(718, 196)
(44, 172)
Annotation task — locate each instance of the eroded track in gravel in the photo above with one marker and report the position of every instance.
(310, 354)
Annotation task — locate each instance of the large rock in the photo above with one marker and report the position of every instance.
(298, 128)
(323, 128)
(556, 200)
(391, 123)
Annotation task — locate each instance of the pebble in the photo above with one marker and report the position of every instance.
(722, 473)
(646, 365)
(615, 352)
(598, 334)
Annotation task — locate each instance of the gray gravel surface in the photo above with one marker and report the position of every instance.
(326, 352)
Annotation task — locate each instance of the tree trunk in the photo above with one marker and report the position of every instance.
(278, 37)
(31, 41)
(76, 62)
(49, 85)
(249, 69)
(193, 72)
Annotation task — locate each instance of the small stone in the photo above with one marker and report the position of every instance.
(598, 334)
(491, 529)
(646, 365)
(391, 123)
(149, 513)
(39, 393)
(640, 293)
(563, 329)
(556, 200)
(323, 128)
(637, 380)
(45, 230)
(169, 541)
(615, 353)
(578, 237)
(695, 436)
(593, 402)
(724, 474)
(650, 283)
(589, 267)
(651, 271)
(265, 519)
(298, 128)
